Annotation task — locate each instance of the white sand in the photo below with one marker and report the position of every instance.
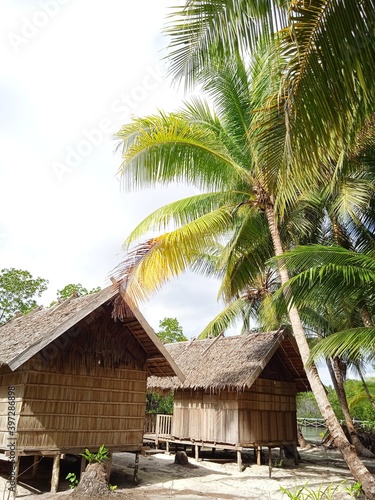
(214, 479)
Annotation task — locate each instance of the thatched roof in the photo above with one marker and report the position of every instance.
(24, 336)
(232, 362)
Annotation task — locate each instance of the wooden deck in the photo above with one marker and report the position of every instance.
(158, 431)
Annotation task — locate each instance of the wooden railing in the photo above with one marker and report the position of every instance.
(319, 422)
(163, 426)
(159, 425)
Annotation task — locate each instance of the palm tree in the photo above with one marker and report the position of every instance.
(342, 275)
(327, 89)
(216, 153)
(326, 93)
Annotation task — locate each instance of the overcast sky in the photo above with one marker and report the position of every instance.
(72, 72)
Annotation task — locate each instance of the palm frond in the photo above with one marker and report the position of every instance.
(149, 266)
(182, 212)
(169, 148)
(329, 80)
(206, 30)
(226, 318)
(354, 343)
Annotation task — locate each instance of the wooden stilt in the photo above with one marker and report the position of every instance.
(269, 461)
(196, 452)
(109, 466)
(83, 465)
(136, 467)
(35, 466)
(259, 455)
(167, 447)
(55, 474)
(239, 460)
(295, 453)
(16, 468)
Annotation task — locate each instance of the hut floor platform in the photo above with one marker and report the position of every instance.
(170, 444)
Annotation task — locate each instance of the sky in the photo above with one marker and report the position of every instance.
(72, 73)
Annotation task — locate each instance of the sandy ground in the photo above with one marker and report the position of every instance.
(214, 477)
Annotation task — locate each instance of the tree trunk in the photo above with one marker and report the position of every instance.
(357, 468)
(94, 481)
(338, 384)
(365, 387)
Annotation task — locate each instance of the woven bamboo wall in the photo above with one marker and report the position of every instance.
(75, 409)
(266, 413)
(204, 416)
(8, 378)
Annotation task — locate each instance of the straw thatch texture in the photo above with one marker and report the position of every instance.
(234, 362)
(23, 337)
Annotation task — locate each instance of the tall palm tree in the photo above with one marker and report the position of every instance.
(216, 154)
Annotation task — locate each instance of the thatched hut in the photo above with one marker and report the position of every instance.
(78, 371)
(239, 392)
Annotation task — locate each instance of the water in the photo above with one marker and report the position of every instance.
(313, 434)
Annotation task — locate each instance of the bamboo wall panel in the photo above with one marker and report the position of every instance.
(206, 416)
(266, 413)
(82, 410)
(18, 381)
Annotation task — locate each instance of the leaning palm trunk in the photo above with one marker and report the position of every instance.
(356, 466)
(365, 387)
(338, 384)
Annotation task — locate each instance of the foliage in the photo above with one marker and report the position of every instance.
(74, 289)
(159, 403)
(171, 331)
(360, 407)
(18, 290)
(307, 406)
(323, 492)
(99, 457)
(73, 480)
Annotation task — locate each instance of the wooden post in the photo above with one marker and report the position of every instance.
(295, 452)
(167, 447)
(239, 460)
(136, 466)
(269, 461)
(55, 474)
(35, 466)
(16, 467)
(196, 452)
(259, 455)
(83, 466)
(109, 465)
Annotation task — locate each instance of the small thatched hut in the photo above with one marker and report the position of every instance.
(239, 392)
(78, 372)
